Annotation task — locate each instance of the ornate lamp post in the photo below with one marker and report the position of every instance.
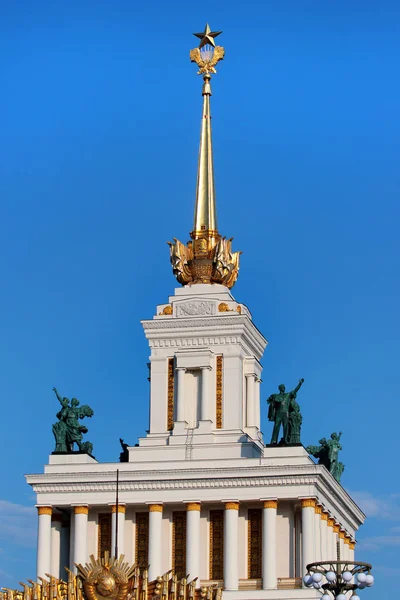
(335, 579)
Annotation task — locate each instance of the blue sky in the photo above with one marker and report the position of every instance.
(100, 111)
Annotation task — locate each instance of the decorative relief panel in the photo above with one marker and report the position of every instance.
(170, 394)
(179, 543)
(254, 543)
(216, 544)
(195, 308)
(219, 378)
(142, 539)
(104, 534)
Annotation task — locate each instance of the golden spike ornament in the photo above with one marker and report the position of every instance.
(109, 578)
(208, 257)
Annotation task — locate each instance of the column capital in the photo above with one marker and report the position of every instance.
(308, 502)
(121, 508)
(82, 509)
(352, 545)
(318, 509)
(347, 540)
(193, 506)
(155, 508)
(231, 505)
(342, 535)
(336, 528)
(180, 368)
(331, 522)
(324, 516)
(270, 504)
(45, 510)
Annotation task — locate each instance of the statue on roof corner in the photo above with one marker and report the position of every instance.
(327, 454)
(68, 430)
(284, 411)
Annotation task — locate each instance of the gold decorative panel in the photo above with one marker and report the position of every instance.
(219, 392)
(216, 544)
(103, 534)
(179, 543)
(142, 539)
(254, 543)
(170, 399)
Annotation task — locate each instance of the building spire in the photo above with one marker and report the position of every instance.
(205, 212)
(208, 258)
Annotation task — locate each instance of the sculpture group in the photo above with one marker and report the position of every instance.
(284, 412)
(68, 430)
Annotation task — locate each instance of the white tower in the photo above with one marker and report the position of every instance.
(201, 494)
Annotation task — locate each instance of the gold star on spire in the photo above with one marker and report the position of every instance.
(207, 36)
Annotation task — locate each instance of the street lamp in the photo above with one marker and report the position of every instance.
(335, 579)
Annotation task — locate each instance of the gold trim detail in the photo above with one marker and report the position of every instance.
(324, 516)
(216, 545)
(239, 309)
(142, 539)
(270, 504)
(308, 503)
(347, 540)
(113, 579)
(254, 543)
(81, 510)
(352, 545)
(342, 535)
(44, 510)
(155, 507)
(170, 394)
(223, 307)
(179, 543)
(121, 508)
(193, 506)
(331, 522)
(231, 505)
(103, 534)
(336, 528)
(167, 310)
(219, 377)
(318, 510)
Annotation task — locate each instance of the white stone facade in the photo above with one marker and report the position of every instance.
(204, 452)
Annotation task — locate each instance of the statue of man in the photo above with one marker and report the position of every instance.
(68, 431)
(279, 407)
(334, 446)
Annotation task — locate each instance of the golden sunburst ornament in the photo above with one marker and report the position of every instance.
(107, 578)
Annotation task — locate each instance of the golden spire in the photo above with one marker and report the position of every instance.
(208, 258)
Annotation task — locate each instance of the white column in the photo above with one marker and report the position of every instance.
(341, 542)
(121, 528)
(307, 522)
(250, 389)
(331, 551)
(80, 537)
(231, 578)
(257, 403)
(351, 551)
(336, 529)
(193, 541)
(180, 396)
(325, 548)
(317, 533)
(205, 390)
(269, 545)
(43, 564)
(155, 539)
(55, 546)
